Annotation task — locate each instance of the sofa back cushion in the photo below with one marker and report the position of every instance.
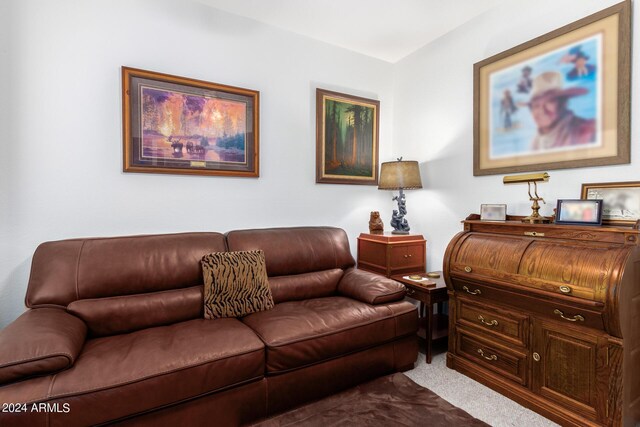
(123, 281)
(128, 313)
(298, 287)
(302, 262)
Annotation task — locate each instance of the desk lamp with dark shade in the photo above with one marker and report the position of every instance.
(400, 175)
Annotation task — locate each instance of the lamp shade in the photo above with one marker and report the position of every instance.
(403, 174)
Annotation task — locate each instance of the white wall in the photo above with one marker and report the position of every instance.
(7, 229)
(433, 121)
(61, 166)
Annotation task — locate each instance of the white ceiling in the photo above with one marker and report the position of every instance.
(385, 29)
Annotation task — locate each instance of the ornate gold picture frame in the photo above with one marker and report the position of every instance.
(346, 138)
(179, 125)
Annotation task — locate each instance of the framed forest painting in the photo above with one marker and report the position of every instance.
(346, 138)
(185, 126)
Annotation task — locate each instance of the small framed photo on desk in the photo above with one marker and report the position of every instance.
(493, 212)
(579, 212)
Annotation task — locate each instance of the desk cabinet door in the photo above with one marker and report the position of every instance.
(567, 366)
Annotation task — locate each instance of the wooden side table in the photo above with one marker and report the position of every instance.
(432, 326)
(390, 254)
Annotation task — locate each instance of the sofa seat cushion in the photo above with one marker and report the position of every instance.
(122, 375)
(302, 333)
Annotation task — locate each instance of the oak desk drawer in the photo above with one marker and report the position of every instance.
(504, 324)
(561, 310)
(537, 284)
(509, 363)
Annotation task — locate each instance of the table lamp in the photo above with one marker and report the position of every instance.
(400, 175)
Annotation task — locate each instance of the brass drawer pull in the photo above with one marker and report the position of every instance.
(476, 292)
(492, 357)
(565, 289)
(570, 319)
(410, 291)
(408, 256)
(468, 269)
(494, 322)
(533, 234)
(536, 356)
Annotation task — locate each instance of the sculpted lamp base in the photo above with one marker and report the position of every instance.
(398, 221)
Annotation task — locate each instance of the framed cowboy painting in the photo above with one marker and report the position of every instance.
(558, 101)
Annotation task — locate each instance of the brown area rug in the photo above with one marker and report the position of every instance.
(394, 400)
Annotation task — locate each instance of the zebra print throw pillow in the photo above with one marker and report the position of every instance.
(235, 284)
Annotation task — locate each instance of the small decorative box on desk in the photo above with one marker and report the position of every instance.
(391, 254)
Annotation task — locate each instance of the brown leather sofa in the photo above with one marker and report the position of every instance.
(115, 331)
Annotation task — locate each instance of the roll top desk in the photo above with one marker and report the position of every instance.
(549, 315)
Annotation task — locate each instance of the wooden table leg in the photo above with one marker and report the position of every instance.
(429, 330)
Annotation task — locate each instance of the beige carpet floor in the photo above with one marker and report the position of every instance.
(471, 396)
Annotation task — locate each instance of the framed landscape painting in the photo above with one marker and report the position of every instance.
(346, 138)
(184, 126)
(558, 101)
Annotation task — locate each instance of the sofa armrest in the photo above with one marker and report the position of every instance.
(40, 341)
(370, 287)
